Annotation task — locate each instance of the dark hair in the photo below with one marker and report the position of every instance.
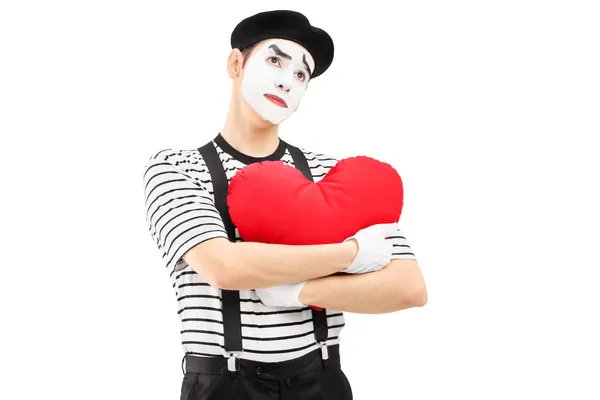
(246, 53)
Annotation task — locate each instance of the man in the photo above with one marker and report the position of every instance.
(247, 330)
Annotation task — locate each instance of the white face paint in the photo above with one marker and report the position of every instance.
(275, 79)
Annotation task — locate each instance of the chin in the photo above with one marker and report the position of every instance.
(265, 124)
(256, 120)
(261, 123)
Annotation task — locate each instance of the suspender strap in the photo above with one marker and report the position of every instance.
(300, 161)
(220, 185)
(319, 317)
(232, 318)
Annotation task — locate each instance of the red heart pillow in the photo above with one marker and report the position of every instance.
(271, 202)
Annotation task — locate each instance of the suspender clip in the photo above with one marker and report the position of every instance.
(233, 362)
(324, 352)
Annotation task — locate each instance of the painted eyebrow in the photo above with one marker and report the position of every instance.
(306, 65)
(278, 51)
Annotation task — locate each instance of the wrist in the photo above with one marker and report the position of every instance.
(350, 248)
(306, 295)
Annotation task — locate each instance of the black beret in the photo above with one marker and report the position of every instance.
(285, 24)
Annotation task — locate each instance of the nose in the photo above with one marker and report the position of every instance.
(283, 86)
(284, 83)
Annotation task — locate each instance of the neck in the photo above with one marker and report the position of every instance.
(251, 136)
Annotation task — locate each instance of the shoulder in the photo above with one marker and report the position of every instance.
(175, 157)
(315, 155)
(157, 161)
(319, 163)
(188, 163)
(315, 158)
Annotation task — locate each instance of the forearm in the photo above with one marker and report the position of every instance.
(254, 265)
(396, 287)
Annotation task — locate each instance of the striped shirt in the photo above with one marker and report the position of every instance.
(180, 213)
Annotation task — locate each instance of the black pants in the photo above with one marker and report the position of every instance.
(306, 378)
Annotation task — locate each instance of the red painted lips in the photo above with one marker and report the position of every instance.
(275, 100)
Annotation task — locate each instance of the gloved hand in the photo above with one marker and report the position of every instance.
(281, 296)
(374, 250)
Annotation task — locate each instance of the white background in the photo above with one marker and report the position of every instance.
(490, 111)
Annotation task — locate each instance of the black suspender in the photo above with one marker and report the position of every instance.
(232, 325)
(319, 317)
(300, 161)
(232, 318)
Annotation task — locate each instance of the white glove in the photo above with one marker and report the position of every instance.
(281, 296)
(374, 250)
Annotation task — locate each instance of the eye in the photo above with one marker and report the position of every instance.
(300, 75)
(274, 61)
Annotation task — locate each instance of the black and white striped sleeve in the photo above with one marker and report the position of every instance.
(180, 212)
(401, 247)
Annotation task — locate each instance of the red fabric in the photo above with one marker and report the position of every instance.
(271, 202)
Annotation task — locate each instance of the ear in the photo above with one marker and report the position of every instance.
(234, 64)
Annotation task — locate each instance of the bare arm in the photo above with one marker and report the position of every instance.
(399, 285)
(252, 265)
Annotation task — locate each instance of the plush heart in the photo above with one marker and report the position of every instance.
(270, 202)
